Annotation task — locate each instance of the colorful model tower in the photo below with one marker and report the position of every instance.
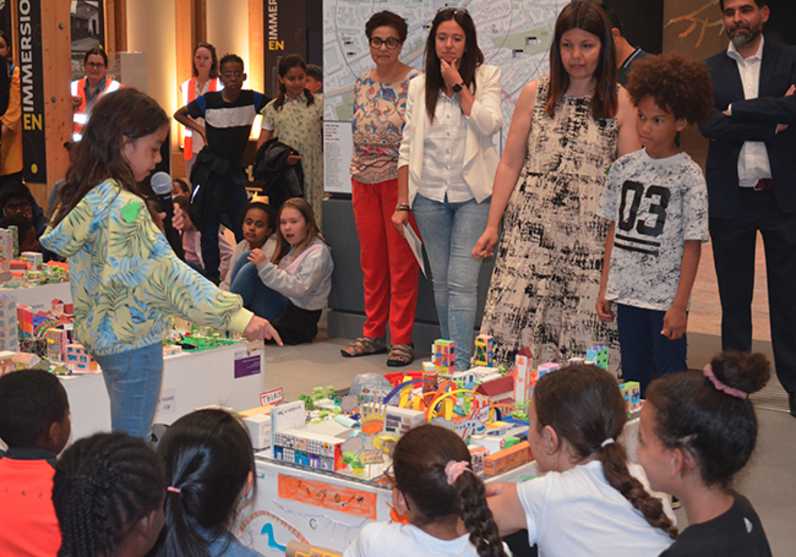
(526, 376)
(631, 391)
(8, 324)
(77, 359)
(598, 355)
(444, 356)
(484, 351)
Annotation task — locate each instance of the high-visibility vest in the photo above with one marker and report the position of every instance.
(79, 118)
(188, 90)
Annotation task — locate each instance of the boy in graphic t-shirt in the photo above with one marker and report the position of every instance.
(217, 177)
(657, 201)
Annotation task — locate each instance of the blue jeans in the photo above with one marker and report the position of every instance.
(244, 280)
(646, 353)
(233, 193)
(449, 232)
(133, 381)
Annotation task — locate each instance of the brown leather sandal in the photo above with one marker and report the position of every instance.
(365, 346)
(401, 355)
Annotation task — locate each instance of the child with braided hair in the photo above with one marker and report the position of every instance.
(590, 501)
(108, 494)
(697, 431)
(443, 498)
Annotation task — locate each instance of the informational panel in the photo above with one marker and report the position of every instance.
(513, 35)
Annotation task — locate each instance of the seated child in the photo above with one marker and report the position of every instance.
(34, 424)
(258, 221)
(108, 494)
(28, 241)
(314, 79)
(697, 431)
(657, 201)
(16, 199)
(210, 466)
(300, 270)
(191, 242)
(590, 500)
(179, 187)
(443, 498)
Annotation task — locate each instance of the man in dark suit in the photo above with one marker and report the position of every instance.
(752, 181)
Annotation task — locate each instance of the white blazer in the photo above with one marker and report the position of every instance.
(480, 155)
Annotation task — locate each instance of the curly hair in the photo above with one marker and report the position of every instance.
(676, 83)
(584, 405)
(419, 460)
(717, 429)
(387, 19)
(104, 485)
(31, 400)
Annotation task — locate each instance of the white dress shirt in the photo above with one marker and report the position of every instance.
(753, 164)
(443, 149)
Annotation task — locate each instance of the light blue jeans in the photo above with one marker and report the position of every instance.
(133, 381)
(262, 300)
(449, 232)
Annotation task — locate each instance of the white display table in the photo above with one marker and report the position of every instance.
(40, 297)
(231, 376)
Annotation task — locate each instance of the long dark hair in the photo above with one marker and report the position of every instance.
(584, 405)
(104, 485)
(471, 59)
(419, 462)
(214, 66)
(718, 429)
(285, 65)
(590, 17)
(208, 457)
(124, 115)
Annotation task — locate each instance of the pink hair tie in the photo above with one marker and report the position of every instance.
(454, 469)
(174, 489)
(708, 371)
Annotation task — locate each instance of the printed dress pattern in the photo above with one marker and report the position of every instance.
(549, 261)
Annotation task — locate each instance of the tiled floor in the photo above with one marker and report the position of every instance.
(769, 481)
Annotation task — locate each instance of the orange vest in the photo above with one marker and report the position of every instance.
(188, 90)
(79, 118)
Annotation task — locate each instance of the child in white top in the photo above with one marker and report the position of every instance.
(591, 501)
(443, 498)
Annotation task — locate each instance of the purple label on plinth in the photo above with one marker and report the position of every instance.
(247, 366)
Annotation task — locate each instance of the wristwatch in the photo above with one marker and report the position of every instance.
(458, 87)
(402, 207)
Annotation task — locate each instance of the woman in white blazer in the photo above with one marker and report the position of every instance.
(447, 165)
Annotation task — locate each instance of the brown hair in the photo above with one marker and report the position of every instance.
(419, 460)
(471, 59)
(590, 17)
(387, 19)
(285, 65)
(677, 84)
(584, 405)
(124, 115)
(282, 246)
(214, 66)
(719, 430)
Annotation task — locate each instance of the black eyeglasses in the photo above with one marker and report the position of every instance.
(454, 10)
(392, 481)
(95, 64)
(236, 74)
(392, 43)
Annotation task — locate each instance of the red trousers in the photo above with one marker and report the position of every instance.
(390, 269)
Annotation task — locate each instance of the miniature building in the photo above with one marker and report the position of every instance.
(77, 359)
(598, 355)
(7, 363)
(631, 391)
(34, 259)
(484, 350)
(544, 369)
(525, 375)
(444, 356)
(8, 324)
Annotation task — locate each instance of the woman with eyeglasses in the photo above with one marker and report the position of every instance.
(205, 78)
(447, 165)
(566, 131)
(388, 264)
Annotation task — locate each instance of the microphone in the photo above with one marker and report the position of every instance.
(161, 184)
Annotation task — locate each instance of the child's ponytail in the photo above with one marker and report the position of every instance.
(708, 413)
(432, 470)
(477, 517)
(583, 405)
(614, 459)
